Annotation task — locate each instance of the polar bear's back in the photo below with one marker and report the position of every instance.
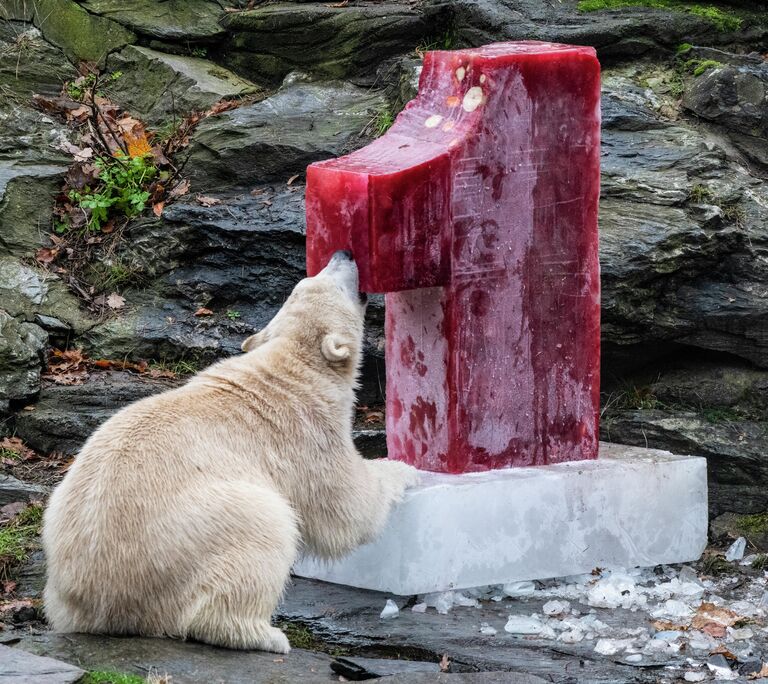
(155, 486)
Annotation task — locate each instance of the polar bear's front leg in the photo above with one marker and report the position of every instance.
(356, 506)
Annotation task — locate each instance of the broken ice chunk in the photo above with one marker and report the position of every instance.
(695, 676)
(634, 658)
(459, 599)
(672, 609)
(390, 610)
(738, 634)
(688, 575)
(556, 608)
(441, 601)
(520, 624)
(419, 608)
(736, 550)
(572, 636)
(611, 646)
(518, 589)
(486, 629)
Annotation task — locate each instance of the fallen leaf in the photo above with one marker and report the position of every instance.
(9, 586)
(181, 188)
(722, 650)
(343, 3)
(15, 445)
(207, 201)
(292, 178)
(759, 675)
(445, 663)
(666, 626)
(709, 613)
(115, 301)
(267, 203)
(47, 255)
(202, 311)
(11, 510)
(9, 607)
(222, 106)
(157, 208)
(713, 629)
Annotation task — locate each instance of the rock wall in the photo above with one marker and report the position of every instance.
(684, 209)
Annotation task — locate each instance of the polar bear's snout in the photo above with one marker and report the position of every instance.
(342, 269)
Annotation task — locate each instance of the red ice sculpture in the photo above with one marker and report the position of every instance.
(477, 214)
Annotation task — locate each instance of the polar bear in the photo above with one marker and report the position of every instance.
(183, 513)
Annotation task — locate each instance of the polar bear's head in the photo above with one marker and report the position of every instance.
(323, 317)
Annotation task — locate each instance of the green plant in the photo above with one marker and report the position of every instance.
(107, 677)
(760, 562)
(179, 367)
(77, 88)
(716, 565)
(683, 48)
(233, 315)
(300, 636)
(445, 41)
(700, 193)
(382, 122)
(699, 66)
(18, 536)
(721, 19)
(199, 52)
(121, 189)
(720, 415)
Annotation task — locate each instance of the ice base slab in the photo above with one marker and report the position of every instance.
(631, 507)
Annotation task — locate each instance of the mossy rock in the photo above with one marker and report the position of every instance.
(21, 357)
(272, 40)
(81, 35)
(162, 88)
(190, 20)
(29, 64)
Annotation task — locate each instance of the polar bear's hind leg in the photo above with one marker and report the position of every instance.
(256, 536)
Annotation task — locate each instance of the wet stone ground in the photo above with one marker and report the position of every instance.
(700, 622)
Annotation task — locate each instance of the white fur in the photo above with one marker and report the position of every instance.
(183, 513)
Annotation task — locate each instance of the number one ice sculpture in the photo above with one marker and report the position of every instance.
(476, 214)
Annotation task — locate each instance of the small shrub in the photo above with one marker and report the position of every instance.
(121, 190)
(233, 315)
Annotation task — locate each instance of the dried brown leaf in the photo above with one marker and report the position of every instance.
(207, 201)
(47, 255)
(115, 301)
(759, 675)
(157, 208)
(18, 447)
(181, 188)
(445, 663)
(202, 311)
(292, 179)
(709, 613)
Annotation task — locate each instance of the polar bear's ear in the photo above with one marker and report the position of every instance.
(254, 341)
(335, 348)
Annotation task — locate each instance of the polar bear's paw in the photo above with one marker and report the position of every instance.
(274, 641)
(397, 477)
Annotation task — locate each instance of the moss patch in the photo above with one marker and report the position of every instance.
(107, 677)
(722, 20)
(18, 538)
(301, 636)
(753, 524)
(81, 35)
